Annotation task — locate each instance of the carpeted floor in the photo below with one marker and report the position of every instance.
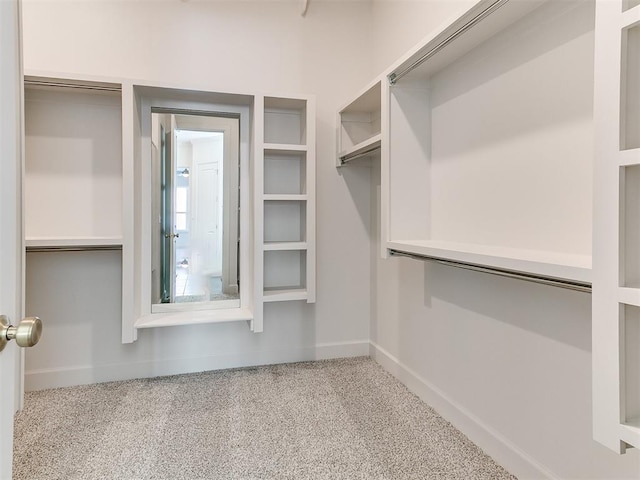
(337, 419)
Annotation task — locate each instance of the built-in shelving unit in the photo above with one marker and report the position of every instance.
(359, 126)
(616, 259)
(486, 161)
(88, 186)
(285, 201)
(73, 167)
(484, 131)
(484, 165)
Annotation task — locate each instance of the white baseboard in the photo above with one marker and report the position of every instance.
(491, 442)
(83, 375)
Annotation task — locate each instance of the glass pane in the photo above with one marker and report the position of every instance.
(196, 210)
(181, 199)
(627, 4)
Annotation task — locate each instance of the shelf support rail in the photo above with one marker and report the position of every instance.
(395, 76)
(554, 282)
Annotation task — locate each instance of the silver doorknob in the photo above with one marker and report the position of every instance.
(26, 334)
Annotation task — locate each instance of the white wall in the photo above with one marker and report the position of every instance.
(400, 24)
(260, 46)
(507, 361)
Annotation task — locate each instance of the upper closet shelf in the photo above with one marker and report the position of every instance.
(284, 148)
(478, 24)
(551, 265)
(285, 197)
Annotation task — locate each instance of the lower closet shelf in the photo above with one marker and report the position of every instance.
(284, 294)
(553, 265)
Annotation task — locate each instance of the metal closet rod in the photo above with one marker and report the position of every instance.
(554, 282)
(394, 77)
(78, 248)
(347, 158)
(80, 86)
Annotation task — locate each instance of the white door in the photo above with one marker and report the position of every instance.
(11, 251)
(205, 218)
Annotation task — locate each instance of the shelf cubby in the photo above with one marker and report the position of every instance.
(630, 226)
(284, 270)
(285, 121)
(360, 125)
(631, 342)
(630, 101)
(285, 172)
(285, 221)
(485, 145)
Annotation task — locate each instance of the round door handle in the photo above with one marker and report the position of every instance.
(26, 334)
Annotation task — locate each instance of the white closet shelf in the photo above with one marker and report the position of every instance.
(272, 246)
(197, 317)
(61, 242)
(360, 125)
(630, 431)
(368, 100)
(284, 148)
(287, 197)
(629, 158)
(284, 294)
(631, 17)
(569, 267)
(629, 296)
(365, 147)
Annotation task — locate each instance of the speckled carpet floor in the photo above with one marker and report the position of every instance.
(337, 419)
